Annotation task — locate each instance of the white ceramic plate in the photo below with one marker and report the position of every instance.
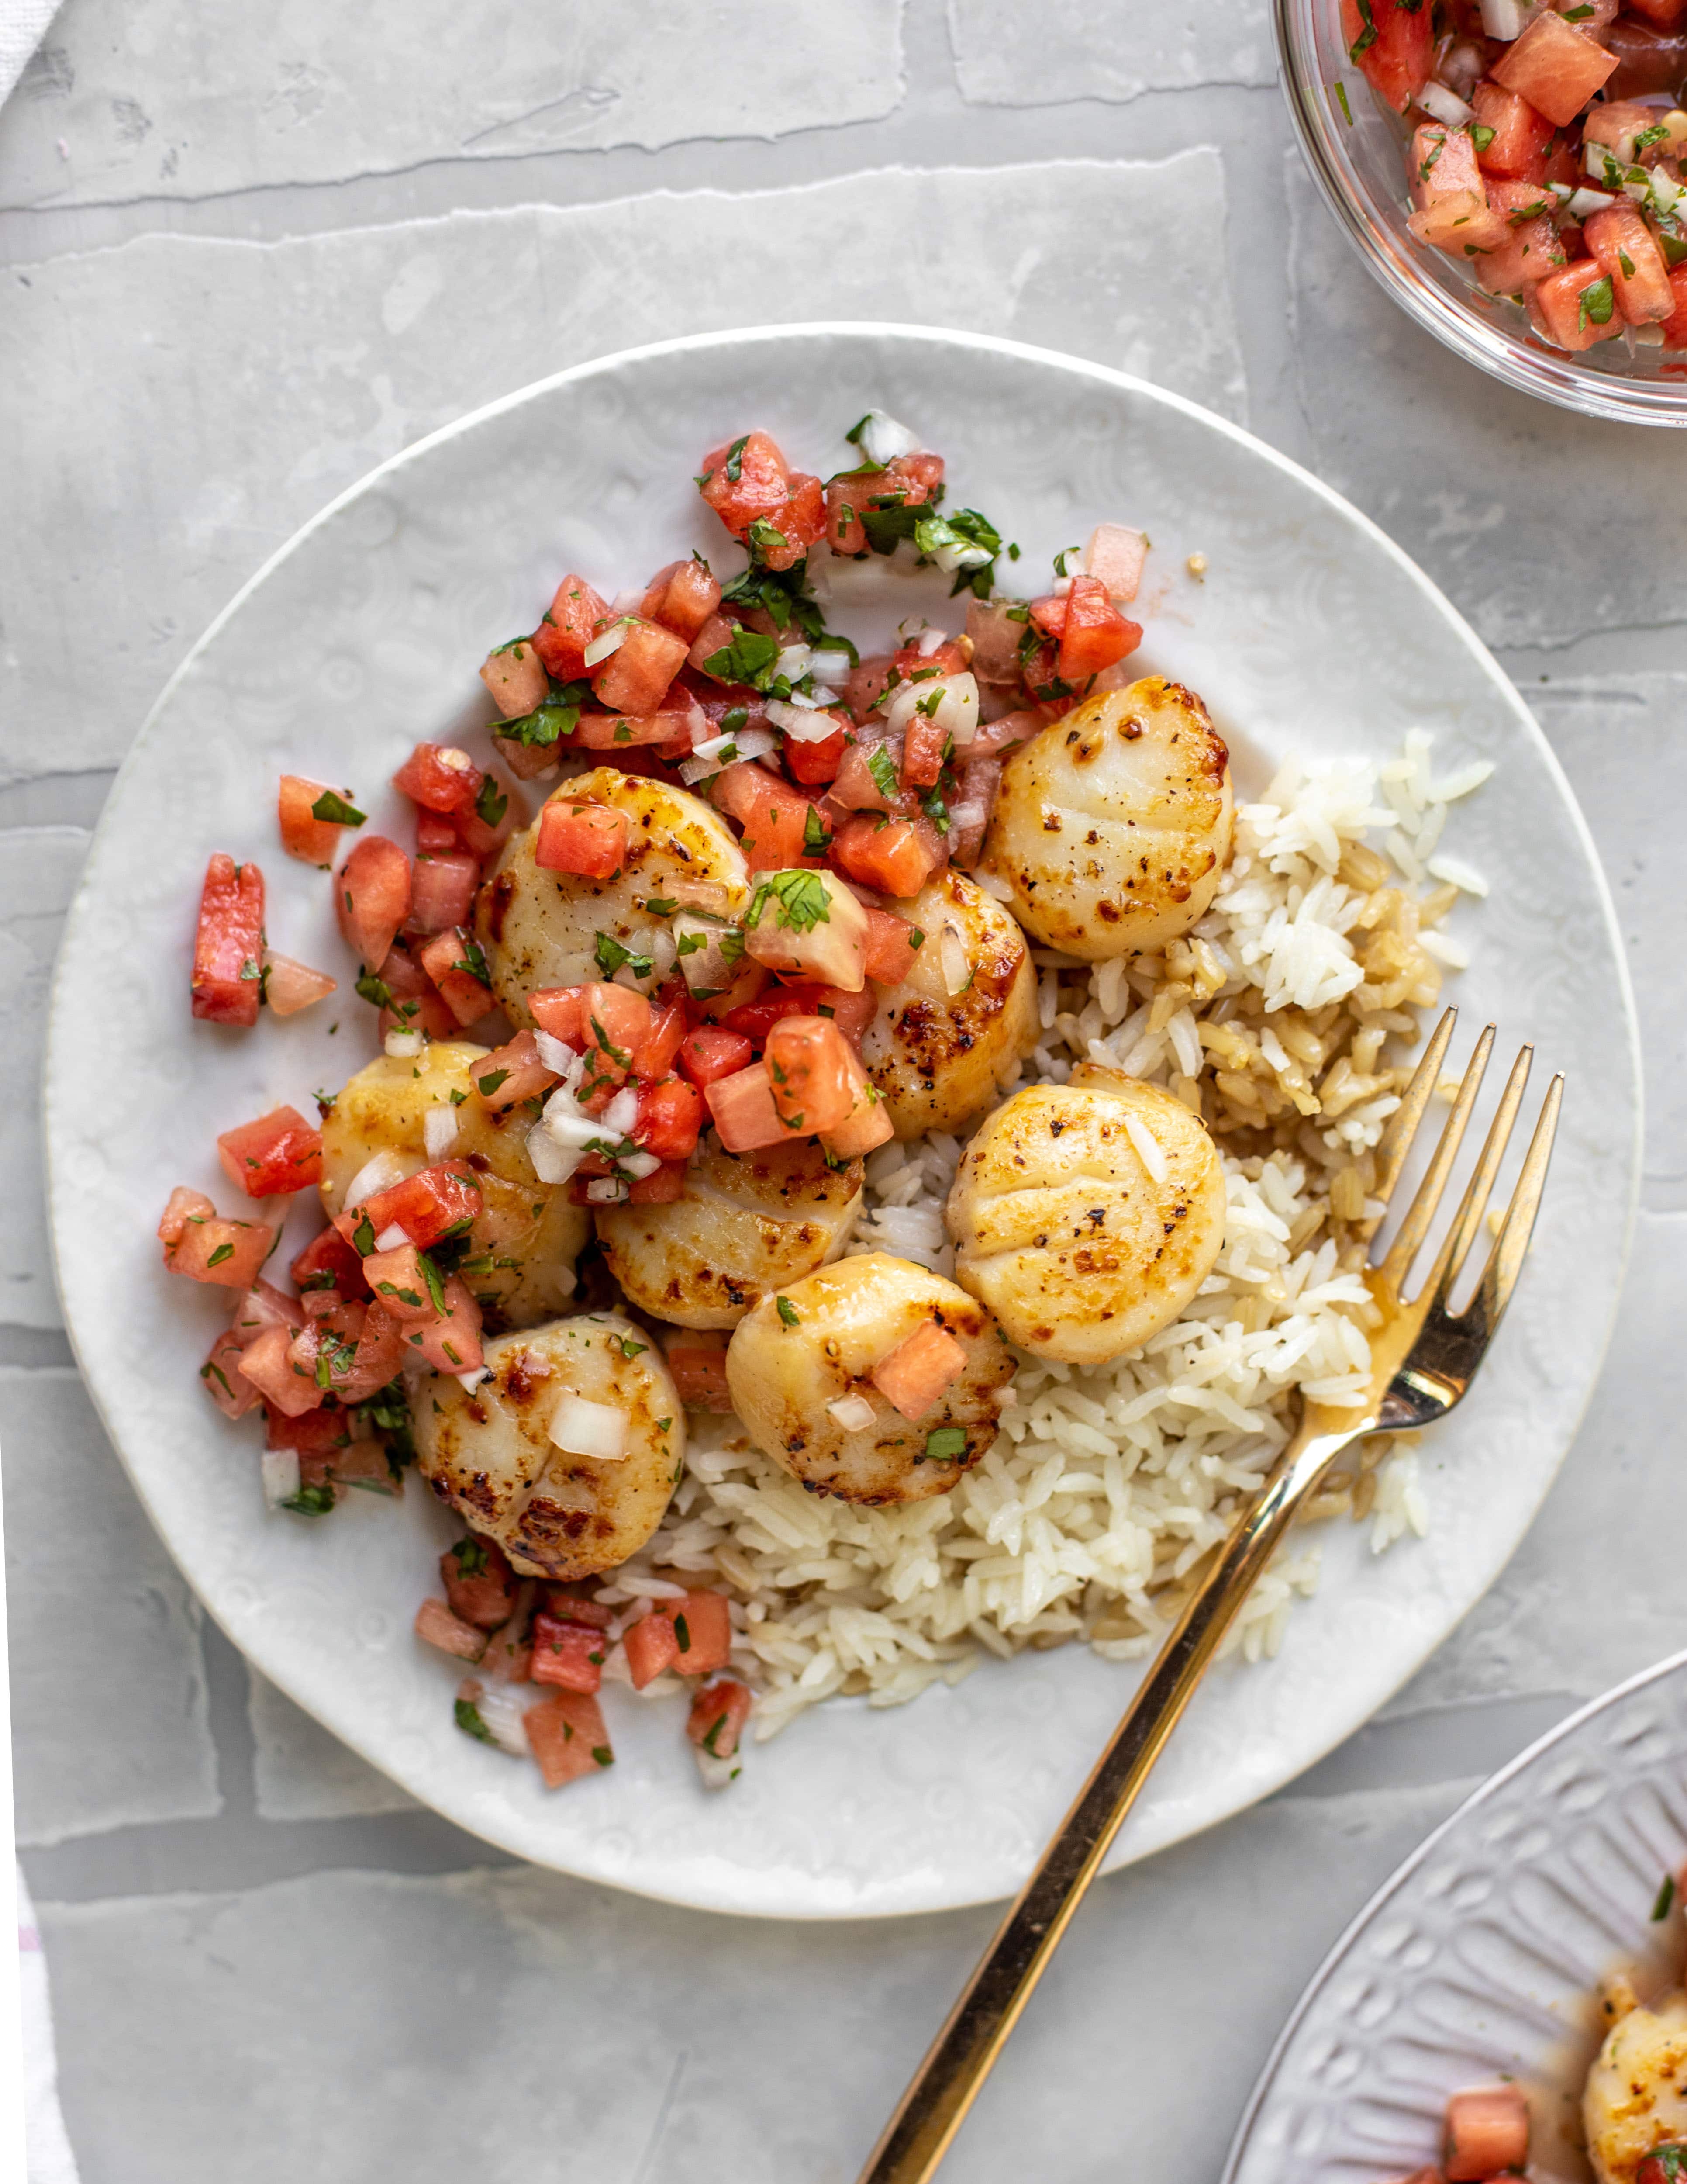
(1310, 630)
(1480, 1958)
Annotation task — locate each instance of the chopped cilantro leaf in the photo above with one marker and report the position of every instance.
(749, 658)
(788, 1312)
(469, 1722)
(333, 808)
(944, 1443)
(610, 956)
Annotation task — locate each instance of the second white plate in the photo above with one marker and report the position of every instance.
(1481, 1957)
(1311, 631)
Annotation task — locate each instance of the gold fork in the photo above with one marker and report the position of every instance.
(1424, 1356)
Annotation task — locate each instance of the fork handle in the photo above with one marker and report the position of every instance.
(961, 2059)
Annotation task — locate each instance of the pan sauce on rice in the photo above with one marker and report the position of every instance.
(1272, 1018)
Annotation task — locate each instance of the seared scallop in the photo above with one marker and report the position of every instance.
(747, 1223)
(1636, 2093)
(506, 1455)
(522, 1250)
(1112, 825)
(958, 1027)
(1087, 1216)
(540, 928)
(801, 1370)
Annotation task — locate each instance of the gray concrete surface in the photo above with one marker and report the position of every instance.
(245, 254)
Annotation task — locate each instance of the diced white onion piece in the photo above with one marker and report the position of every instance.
(618, 1118)
(933, 640)
(1502, 18)
(556, 1053)
(627, 601)
(793, 662)
(1148, 1147)
(605, 1190)
(1583, 202)
(956, 712)
(392, 1238)
(439, 1131)
(638, 1165)
(1561, 190)
(953, 556)
(801, 725)
(717, 1774)
(1638, 186)
(827, 666)
(1645, 337)
(566, 1122)
(280, 1475)
(957, 971)
(883, 439)
(468, 1382)
(404, 1045)
(911, 628)
(1666, 195)
(1599, 161)
(378, 1175)
(693, 770)
(500, 1708)
(581, 1427)
(1446, 105)
(551, 1162)
(611, 640)
(854, 1413)
(725, 748)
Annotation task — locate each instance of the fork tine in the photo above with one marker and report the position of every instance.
(1403, 1124)
(1467, 1221)
(1505, 1263)
(1421, 1212)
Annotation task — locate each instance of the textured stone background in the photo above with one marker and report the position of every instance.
(245, 253)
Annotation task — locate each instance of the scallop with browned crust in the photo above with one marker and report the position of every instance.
(802, 1356)
(490, 1453)
(1087, 1215)
(540, 928)
(521, 1252)
(1112, 825)
(957, 1028)
(746, 1223)
(1635, 2099)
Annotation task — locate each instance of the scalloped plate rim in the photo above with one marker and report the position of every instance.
(1258, 2100)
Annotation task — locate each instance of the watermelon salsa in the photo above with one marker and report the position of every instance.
(1544, 150)
(851, 780)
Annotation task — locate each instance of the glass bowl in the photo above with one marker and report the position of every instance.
(1360, 168)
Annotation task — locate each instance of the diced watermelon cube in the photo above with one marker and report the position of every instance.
(568, 1738)
(228, 948)
(1555, 66)
(279, 1152)
(570, 623)
(1453, 212)
(568, 1654)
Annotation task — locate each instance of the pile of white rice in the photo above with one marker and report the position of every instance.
(1107, 1486)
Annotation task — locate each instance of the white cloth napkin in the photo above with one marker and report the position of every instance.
(23, 24)
(49, 2156)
